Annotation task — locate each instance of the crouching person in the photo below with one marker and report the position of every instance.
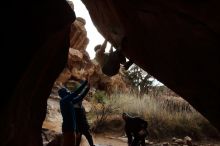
(135, 129)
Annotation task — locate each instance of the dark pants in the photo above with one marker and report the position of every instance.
(83, 126)
(69, 139)
(88, 137)
(139, 140)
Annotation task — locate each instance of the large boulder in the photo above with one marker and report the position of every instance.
(35, 47)
(176, 41)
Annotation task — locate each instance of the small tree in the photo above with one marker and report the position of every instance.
(139, 79)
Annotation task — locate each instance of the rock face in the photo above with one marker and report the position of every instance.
(175, 41)
(53, 120)
(80, 65)
(35, 43)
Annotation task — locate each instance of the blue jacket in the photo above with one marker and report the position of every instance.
(66, 105)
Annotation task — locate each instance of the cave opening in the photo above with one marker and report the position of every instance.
(183, 36)
(80, 61)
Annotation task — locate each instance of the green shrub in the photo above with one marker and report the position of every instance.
(100, 96)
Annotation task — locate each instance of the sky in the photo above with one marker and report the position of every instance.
(94, 36)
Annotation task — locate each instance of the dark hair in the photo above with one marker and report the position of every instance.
(63, 92)
(124, 114)
(97, 47)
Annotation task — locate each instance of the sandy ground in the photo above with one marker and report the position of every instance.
(112, 139)
(104, 140)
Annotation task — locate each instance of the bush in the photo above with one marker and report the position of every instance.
(100, 96)
(104, 106)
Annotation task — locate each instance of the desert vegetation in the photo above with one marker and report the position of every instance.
(168, 116)
(167, 113)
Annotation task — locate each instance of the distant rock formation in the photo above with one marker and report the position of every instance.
(80, 65)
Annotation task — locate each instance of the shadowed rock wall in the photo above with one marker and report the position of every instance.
(36, 40)
(176, 41)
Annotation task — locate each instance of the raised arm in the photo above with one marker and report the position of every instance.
(104, 45)
(81, 95)
(71, 96)
(81, 87)
(111, 49)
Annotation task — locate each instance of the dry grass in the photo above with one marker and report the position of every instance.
(167, 116)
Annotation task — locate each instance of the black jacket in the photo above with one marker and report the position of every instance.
(133, 125)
